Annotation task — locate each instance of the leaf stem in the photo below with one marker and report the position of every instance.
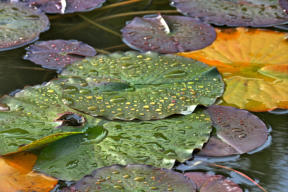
(135, 13)
(115, 47)
(119, 4)
(99, 26)
(102, 51)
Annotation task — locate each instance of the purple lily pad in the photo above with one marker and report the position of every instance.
(215, 183)
(284, 4)
(256, 13)
(167, 34)
(56, 54)
(236, 129)
(133, 178)
(66, 6)
(20, 25)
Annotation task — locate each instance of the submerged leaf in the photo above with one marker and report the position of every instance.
(66, 6)
(20, 25)
(167, 34)
(56, 54)
(239, 132)
(133, 178)
(256, 13)
(152, 86)
(158, 143)
(254, 66)
(212, 183)
(16, 175)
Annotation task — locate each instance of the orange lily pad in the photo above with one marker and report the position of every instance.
(254, 64)
(16, 175)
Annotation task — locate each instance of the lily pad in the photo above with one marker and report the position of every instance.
(31, 116)
(153, 86)
(159, 143)
(16, 174)
(255, 13)
(254, 66)
(239, 132)
(167, 34)
(212, 183)
(284, 4)
(20, 25)
(133, 178)
(66, 6)
(56, 54)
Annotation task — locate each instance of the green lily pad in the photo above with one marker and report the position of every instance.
(20, 25)
(30, 115)
(133, 178)
(256, 13)
(159, 143)
(154, 86)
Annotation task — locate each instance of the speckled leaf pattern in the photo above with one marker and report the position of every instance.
(167, 34)
(66, 6)
(56, 54)
(32, 115)
(20, 25)
(133, 178)
(155, 86)
(256, 76)
(158, 143)
(256, 13)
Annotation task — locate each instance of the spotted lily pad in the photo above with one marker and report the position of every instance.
(212, 183)
(159, 143)
(20, 25)
(66, 6)
(152, 86)
(133, 178)
(56, 54)
(254, 66)
(31, 115)
(256, 13)
(238, 132)
(167, 34)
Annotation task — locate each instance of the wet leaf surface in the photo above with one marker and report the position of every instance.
(133, 178)
(66, 6)
(256, 13)
(212, 183)
(238, 132)
(56, 54)
(167, 34)
(31, 116)
(158, 143)
(16, 175)
(255, 75)
(153, 86)
(20, 25)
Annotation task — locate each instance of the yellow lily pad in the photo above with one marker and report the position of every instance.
(254, 64)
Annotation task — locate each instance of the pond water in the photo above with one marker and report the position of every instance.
(269, 166)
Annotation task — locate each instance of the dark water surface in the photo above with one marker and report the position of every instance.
(269, 166)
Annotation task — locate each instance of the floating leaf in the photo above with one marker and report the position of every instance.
(284, 4)
(240, 132)
(56, 54)
(31, 116)
(167, 34)
(152, 86)
(66, 6)
(215, 183)
(256, 13)
(20, 25)
(254, 66)
(16, 175)
(158, 143)
(133, 178)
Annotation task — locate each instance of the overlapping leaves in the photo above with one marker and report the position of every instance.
(254, 66)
